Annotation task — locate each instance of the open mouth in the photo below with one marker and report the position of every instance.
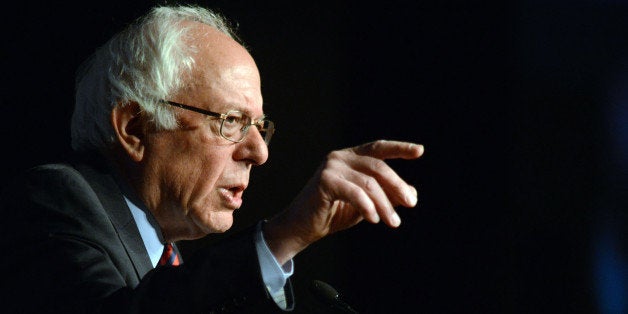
(232, 196)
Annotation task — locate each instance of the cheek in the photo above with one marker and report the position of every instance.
(206, 209)
(205, 205)
(203, 174)
(196, 168)
(191, 174)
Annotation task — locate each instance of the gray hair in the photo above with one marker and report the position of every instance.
(144, 63)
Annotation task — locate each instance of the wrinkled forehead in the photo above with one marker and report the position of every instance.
(213, 49)
(224, 72)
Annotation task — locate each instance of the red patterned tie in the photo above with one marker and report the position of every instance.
(169, 257)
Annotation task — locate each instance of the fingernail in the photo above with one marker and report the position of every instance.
(395, 220)
(412, 197)
(421, 150)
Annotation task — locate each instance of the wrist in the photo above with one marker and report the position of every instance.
(282, 239)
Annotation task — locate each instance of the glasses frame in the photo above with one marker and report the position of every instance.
(223, 116)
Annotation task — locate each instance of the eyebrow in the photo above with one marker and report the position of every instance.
(239, 107)
(236, 107)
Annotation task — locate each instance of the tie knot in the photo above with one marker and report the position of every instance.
(169, 256)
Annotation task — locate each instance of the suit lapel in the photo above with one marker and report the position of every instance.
(119, 213)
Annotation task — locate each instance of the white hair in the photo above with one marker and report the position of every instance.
(144, 63)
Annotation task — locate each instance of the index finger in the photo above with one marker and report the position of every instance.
(384, 149)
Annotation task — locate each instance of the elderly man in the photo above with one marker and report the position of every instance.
(167, 126)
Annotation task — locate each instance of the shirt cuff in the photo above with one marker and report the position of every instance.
(273, 274)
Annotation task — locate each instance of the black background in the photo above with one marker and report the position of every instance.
(510, 100)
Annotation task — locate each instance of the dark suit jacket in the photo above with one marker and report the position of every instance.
(70, 245)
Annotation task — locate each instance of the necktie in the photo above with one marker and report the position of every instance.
(169, 257)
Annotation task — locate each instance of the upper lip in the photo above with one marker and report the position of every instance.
(236, 187)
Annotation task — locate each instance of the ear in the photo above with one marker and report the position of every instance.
(128, 125)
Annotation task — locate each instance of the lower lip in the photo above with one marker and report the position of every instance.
(230, 199)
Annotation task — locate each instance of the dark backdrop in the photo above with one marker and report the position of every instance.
(510, 101)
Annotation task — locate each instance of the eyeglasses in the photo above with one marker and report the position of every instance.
(234, 124)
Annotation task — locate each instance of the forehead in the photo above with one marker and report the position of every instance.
(225, 76)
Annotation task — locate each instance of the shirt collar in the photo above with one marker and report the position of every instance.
(150, 232)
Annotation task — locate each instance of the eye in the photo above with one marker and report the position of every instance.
(231, 119)
(235, 121)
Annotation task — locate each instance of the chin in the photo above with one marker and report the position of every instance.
(220, 222)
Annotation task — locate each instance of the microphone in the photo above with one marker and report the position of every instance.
(329, 296)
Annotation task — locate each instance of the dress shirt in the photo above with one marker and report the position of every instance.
(273, 274)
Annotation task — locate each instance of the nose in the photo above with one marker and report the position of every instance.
(252, 149)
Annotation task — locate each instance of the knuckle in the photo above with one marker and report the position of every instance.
(370, 184)
(334, 155)
(378, 144)
(378, 165)
(332, 165)
(355, 192)
(372, 145)
(328, 175)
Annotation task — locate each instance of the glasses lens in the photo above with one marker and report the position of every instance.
(234, 126)
(266, 128)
